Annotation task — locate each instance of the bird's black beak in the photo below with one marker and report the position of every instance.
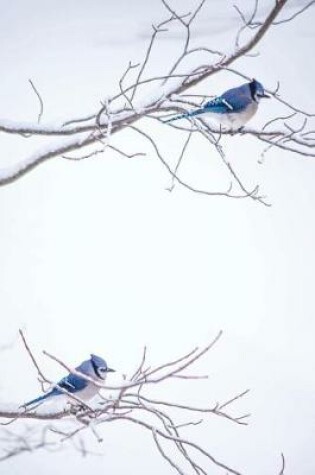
(265, 95)
(111, 370)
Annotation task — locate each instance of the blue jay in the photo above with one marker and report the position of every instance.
(234, 108)
(95, 368)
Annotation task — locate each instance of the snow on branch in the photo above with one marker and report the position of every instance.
(172, 92)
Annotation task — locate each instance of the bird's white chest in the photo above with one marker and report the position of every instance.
(87, 393)
(235, 120)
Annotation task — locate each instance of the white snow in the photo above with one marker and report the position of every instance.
(97, 257)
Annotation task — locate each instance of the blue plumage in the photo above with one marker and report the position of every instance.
(233, 108)
(71, 384)
(95, 368)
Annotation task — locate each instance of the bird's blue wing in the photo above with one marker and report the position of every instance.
(218, 105)
(71, 383)
(233, 100)
(238, 98)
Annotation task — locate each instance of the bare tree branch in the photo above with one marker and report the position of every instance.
(170, 95)
(41, 103)
(154, 415)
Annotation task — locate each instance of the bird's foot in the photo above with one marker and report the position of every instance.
(77, 409)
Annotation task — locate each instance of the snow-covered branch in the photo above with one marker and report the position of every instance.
(293, 130)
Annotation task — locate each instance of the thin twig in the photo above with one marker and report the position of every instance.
(41, 103)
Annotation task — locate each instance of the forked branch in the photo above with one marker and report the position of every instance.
(173, 92)
(127, 403)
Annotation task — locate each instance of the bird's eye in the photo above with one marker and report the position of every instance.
(102, 370)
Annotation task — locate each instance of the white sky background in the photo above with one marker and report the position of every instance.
(97, 257)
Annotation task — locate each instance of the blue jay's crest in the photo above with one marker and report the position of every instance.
(98, 361)
(100, 366)
(257, 90)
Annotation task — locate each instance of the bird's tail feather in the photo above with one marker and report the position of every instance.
(35, 401)
(185, 115)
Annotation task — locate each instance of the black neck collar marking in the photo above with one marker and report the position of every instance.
(95, 368)
(252, 87)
